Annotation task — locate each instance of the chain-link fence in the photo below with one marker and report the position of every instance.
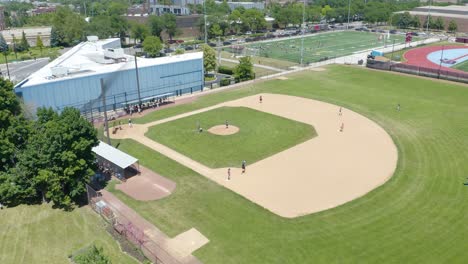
(127, 229)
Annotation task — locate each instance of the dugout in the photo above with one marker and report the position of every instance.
(115, 162)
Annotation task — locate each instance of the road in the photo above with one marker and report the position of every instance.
(21, 70)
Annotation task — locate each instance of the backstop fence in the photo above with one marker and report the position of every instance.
(128, 230)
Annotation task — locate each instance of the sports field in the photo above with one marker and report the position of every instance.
(40, 234)
(462, 66)
(320, 46)
(260, 135)
(418, 216)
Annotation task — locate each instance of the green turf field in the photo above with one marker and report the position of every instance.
(320, 46)
(462, 66)
(40, 234)
(260, 135)
(418, 216)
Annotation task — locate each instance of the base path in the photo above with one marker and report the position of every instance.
(324, 172)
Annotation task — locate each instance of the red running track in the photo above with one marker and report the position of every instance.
(418, 57)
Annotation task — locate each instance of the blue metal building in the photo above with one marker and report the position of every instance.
(74, 79)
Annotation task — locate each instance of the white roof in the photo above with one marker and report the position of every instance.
(113, 155)
(87, 58)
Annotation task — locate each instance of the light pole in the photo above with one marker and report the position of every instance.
(349, 12)
(428, 17)
(440, 64)
(303, 31)
(204, 18)
(138, 80)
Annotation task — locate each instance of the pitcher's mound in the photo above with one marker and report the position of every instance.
(223, 131)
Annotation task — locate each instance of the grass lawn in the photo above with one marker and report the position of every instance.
(462, 66)
(319, 46)
(260, 135)
(33, 52)
(258, 71)
(40, 234)
(418, 216)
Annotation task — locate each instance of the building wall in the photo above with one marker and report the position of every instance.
(462, 23)
(85, 93)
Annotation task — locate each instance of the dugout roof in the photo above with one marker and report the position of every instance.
(113, 155)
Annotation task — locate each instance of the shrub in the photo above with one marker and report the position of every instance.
(225, 70)
(225, 82)
(25, 57)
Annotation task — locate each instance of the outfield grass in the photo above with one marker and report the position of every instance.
(320, 46)
(418, 216)
(40, 234)
(261, 135)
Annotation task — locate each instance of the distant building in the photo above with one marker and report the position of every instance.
(42, 10)
(246, 5)
(31, 34)
(453, 12)
(74, 79)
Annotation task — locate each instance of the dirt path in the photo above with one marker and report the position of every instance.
(324, 172)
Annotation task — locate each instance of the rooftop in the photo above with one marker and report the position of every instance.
(93, 58)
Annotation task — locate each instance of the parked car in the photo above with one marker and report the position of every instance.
(211, 44)
(393, 31)
(225, 43)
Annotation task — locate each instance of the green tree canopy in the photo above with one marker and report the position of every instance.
(46, 159)
(244, 70)
(170, 25)
(152, 46)
(94, 255)
(452, 27)
(139, 31)
(156, 25)
(39, 42)
(24, 42)
(3, 45)
(209, 58)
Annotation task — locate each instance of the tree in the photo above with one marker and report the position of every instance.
(209, 58)
(244, 70)
(4, 49)
(404, 21)
(253, 19)
(139, 31)
(152, 46)
(24, 42)
(101, 26)
(94, 255)
(179, 51)
(452, 27)
(39, 42)
(215, 30)
(439, 24)
(55, 37)
(68, 28)
(156, 25)
(170, 25)
(47, 159)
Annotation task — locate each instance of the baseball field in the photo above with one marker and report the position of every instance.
(319, 46)
(417, 216)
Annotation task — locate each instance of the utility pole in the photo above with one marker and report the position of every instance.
(303, 31)
(137, 80)
(6, 62)
(204, 16)
(106, 122)
(219, 53)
